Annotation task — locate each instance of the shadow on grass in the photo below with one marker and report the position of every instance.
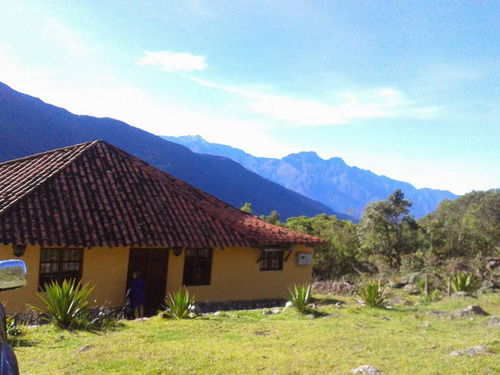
(20, 343)
(326, 301)
(316, 313)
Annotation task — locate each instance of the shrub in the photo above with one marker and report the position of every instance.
(179, 305)
(462, 282)
(373, 294)
(65, 303)
(13, 329)
(300, 297)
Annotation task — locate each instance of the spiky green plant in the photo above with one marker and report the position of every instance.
(462, 282)
(300, 296)
(373, 294)
(65, 303)
(179, 305)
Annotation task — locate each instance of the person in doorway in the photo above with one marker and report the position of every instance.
(137, 294)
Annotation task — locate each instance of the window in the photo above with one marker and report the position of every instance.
(197, 267)
(59, 265)
(271, 260)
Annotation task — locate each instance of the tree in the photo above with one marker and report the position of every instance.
(387, 229)
(339, 256)
(272, 218)
(247, 207)
(468, 227)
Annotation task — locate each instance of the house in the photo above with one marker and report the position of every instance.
(96, 213)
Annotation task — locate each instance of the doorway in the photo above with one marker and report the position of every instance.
(153, 266)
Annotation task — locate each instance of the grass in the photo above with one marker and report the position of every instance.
(403, 340)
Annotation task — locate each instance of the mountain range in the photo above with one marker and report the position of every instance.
(344, 188)
(29, 126)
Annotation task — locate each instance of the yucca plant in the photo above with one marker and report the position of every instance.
(373, 294)
(65, 303)
(179, 305)
(462, 282)
(300, 297)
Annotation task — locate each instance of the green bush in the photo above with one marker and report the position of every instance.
(373, 294)
(65, 303)
(179, 305)
(462, 282)
(434, 296)
(300, 296)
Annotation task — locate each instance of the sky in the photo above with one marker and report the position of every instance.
(405, 89)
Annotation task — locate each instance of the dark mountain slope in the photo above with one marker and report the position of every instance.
(28, 126)
(344, 188)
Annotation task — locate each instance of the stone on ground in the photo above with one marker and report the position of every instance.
(365, 370)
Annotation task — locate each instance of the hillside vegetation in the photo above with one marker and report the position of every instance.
(461, 235)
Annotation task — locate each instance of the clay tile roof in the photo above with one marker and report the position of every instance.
(95, 194)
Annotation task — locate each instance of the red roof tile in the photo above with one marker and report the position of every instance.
(95, 194)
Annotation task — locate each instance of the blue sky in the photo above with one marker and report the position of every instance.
(406, 89)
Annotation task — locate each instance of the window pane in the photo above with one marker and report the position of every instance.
(271, 260)
(197, 267)
(60, 264)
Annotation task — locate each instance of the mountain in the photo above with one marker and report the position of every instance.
(344, 188)
(29, 126)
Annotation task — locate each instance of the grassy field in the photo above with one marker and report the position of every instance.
(403, 340)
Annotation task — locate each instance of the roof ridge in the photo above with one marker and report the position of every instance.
(40, 154)
(85, 146)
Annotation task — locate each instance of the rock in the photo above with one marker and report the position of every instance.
(494, 322)
(310, 316)
(267, 312)
(276, 311)
(492, 263)
(435, 313)
(411, 289)
(471, 310)
(396, 300)
(216, 313)
(196, 309)
(476, 350)
(365, 370)
(331, 316)
(398, 282)
(460, 295)
(84, 348)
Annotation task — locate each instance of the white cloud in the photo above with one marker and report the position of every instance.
(349, 105)
(173, 61)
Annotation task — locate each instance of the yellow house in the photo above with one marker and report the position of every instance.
(95, 213)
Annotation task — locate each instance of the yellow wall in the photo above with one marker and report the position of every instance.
(106, 268)
(16, 300)
(236, 275)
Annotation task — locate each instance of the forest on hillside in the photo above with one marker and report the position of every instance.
(459, 236)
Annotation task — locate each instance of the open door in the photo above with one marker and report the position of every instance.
(153, 265)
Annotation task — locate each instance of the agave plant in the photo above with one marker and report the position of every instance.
(179, 305)
(373, 294)
(462, 282)
(300, 297)
(65, 303)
